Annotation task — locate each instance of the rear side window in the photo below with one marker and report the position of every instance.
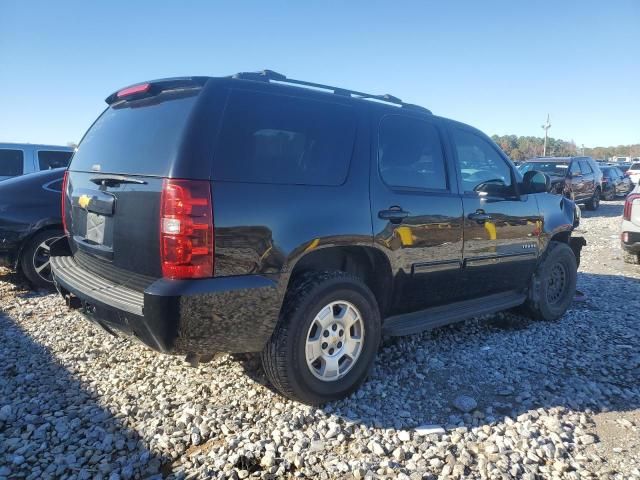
(268, 138)
(11, 163)
(137, 137)
(410, 154)
(48, 159)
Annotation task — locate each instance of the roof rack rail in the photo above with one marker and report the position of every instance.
(271, 76)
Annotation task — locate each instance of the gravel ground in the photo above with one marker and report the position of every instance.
(498, 397)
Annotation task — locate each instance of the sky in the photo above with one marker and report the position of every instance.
(500, 66)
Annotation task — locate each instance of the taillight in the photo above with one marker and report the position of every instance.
(186, 229)
(628, 205)
(63, 200)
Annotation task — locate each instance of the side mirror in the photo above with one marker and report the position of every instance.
(535, 182)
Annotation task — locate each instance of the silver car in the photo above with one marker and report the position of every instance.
(21, 158)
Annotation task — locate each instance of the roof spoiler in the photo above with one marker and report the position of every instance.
(154, 87)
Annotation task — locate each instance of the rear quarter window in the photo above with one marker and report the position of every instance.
(11, 162)
(270, 138)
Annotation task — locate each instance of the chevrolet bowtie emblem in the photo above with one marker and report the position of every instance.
(84, 201)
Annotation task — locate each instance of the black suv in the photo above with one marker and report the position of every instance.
(256, 213)
(577, 178)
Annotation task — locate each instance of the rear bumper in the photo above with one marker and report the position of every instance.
(204, 316)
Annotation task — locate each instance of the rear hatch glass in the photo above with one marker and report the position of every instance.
(115, 184)
(139, 137)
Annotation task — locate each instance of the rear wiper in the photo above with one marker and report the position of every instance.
(113, 180)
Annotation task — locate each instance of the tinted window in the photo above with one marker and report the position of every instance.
(575, 168)
(585, 167)
(608, 172)
(11, 163)
(482, 169)
(139, 137)
(52, 159)
(550, 168)
(410, 154)
(269, 138)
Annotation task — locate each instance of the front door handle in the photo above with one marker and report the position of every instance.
(394, 214)
(480, 216)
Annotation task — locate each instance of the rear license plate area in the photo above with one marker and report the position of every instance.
(95, 228)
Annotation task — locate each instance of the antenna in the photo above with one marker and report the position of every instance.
(546, 128)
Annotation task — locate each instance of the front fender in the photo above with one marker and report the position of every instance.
(560, 217)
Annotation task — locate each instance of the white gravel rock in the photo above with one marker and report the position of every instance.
(78, 403)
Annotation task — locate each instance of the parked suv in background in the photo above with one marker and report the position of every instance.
(633, 172)
(577, 178)
(257, 213)
(614, 182)
(21, 158)
(630, 236)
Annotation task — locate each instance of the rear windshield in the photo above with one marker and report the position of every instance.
(11, 162)
(140, 137)
(267, 138)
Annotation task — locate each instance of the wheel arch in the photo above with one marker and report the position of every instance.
(33, 233)
(367, 263)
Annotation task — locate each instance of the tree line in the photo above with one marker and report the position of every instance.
(522, 148)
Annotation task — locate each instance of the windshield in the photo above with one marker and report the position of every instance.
(550, 168)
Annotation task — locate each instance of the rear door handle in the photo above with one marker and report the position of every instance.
(480, 216)
(393, 214)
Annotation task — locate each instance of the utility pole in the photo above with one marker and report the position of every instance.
(546, 128)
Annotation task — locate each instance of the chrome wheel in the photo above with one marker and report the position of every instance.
(41, 259)
(334, 341)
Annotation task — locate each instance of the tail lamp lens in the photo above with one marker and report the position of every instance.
(186, 229)
(63, 201)
(628, 205)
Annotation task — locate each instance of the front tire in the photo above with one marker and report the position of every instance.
(554, 283)
(34, 259)
(326, 340)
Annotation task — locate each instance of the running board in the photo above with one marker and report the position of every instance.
(416, 322)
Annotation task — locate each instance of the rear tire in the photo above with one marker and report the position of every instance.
(594, 203)
(34, 259)
(554, 283)
(313, 305)
(632, 258)
(612, 195)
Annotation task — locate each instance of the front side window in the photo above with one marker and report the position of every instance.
(267, 138)
(410, 154)
(574, 170)
(11, 162)
(585, 167)
(48, 159)
(481, 168)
